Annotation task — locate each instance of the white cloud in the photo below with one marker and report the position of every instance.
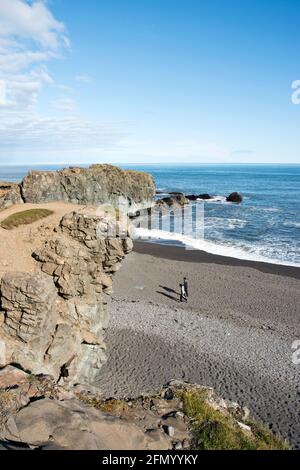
(16, 61)
(65, 105)
(83, 78)
(33, 133)
(30, 36)
(31, 21)
(22, 90)
(63, 88)
(2, 92)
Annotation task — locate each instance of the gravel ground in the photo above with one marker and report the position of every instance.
(234, 337)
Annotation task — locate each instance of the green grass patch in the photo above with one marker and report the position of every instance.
(112, 406)
(213, 430)
(24, 218)
(112, 210)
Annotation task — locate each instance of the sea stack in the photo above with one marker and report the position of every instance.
(235, 197)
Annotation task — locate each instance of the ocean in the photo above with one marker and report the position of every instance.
(265, 227)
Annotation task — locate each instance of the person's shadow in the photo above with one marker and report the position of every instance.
(168, 293)
(168, 289)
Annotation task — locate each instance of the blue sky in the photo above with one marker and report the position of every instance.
(149, 81)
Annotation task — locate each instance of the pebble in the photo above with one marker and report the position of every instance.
(168, 394)
(244, 427)
(169, 430)
(246, 412)
(178, 446)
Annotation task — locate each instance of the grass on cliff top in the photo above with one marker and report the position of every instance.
(112, 406)
(24, 218)
(212, 430)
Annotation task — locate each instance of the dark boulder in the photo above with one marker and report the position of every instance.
(234, 197)
(204, 196)
(194, 197)
(179, 199)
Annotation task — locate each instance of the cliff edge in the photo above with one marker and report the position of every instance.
(52, 320)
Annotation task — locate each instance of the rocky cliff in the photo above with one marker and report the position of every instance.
(51, 322)
(95, 185)
(10, 194)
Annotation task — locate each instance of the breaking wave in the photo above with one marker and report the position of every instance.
(249, 253)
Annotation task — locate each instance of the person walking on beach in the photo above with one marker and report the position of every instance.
(186, 287)
(183, 297)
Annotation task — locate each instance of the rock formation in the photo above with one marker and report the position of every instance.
(95, 185)
(10, 194)
(173, 199)
(52, 322)
(194, 197)
(36, 413)
(235, 197)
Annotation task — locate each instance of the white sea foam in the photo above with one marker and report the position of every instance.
(222, 222)
(292, 224)
(236, 223)
(263, 209)
(243, 253)
(269, 209)
(215, 199)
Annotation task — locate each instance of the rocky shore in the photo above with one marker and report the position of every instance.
(57, 390)
(181, 199)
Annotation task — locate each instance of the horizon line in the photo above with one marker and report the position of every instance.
(148, 163)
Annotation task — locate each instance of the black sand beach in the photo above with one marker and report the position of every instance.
(235, 334)
(173, 252)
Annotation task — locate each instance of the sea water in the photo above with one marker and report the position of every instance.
(265, 227)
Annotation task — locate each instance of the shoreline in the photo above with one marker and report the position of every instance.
(179, 253)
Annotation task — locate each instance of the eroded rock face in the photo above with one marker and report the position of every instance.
(10, 194)
(53, 322)
(27, 302)
(95, 185)
(74, 426)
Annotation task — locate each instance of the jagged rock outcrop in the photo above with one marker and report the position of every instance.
(52, 322)
(73, 425)
(173, 199)
(10, 194)
(97, 184)
(179, 416)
